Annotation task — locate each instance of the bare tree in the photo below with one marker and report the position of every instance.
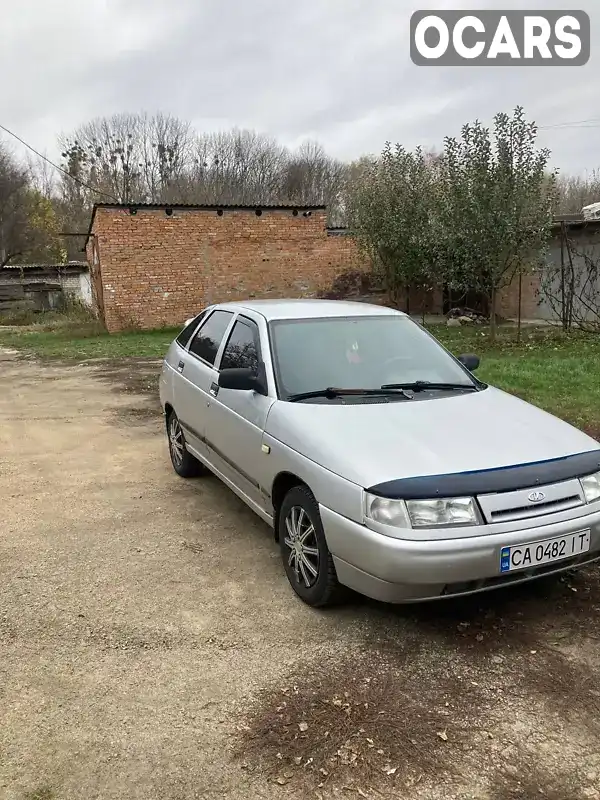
(311, 177)
(237, 166)
(140, 158)
(130, 157)
(575, 192)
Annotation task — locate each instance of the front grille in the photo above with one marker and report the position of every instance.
(512, 506)
(524, 512)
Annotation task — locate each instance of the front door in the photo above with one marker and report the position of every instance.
(236, 419)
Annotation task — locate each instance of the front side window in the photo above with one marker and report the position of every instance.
(358, 353)
(207, 341)
(242, 348)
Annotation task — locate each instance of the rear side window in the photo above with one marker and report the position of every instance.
(207, 341)
(242, 348)
(186, 333)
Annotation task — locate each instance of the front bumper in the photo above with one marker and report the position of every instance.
(404, 570)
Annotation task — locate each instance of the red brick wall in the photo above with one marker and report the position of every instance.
(158, 270)
(508, 301)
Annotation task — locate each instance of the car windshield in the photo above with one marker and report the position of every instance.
(358, 353)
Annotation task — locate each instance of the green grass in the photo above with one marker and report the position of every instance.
(82, 342)
(547, 368)
(556, 372)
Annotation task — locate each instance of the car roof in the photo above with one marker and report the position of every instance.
(310, 308)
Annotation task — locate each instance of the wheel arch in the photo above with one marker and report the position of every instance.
(284, 481)
(168, 410)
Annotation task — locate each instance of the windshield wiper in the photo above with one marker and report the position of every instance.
(332, 392)
(425, 386)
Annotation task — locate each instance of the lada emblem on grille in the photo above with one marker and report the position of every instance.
(537, 497)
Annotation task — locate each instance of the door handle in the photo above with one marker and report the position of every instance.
(180, 366)
(214, 389)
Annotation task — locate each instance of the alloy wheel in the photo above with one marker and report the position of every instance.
(176, 444)
(301, 541)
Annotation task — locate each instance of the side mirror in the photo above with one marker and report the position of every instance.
(470, 361)
(242, 379)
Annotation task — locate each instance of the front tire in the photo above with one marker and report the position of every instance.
(184, 463)
(306, 558)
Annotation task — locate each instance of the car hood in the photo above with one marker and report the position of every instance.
(375, 442)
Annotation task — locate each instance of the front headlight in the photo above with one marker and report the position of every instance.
(591, 487)
(445, 511)
(386, 512)
(421, 513)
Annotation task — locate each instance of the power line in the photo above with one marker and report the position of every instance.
(60, 169)
(575, 124)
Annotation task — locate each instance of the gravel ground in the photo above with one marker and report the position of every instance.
(150, 646)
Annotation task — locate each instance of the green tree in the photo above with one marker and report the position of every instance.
(29, 226)
(391, 208)
(496, 200)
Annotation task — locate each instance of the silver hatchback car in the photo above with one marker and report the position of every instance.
(379, 459)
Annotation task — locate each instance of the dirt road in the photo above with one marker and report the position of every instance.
(150, 646)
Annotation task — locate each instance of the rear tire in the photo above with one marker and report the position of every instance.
(184, 463)
(306, 558)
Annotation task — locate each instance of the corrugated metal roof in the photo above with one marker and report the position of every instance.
(574, 221)
(82, 264)
(216, 206)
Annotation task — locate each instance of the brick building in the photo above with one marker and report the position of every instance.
(156, 265)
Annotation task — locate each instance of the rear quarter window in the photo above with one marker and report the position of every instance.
(186, 333)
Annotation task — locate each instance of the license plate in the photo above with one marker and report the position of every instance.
(524, 556)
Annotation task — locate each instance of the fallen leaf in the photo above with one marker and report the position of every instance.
(303, 726)
(443, 735)
(390, 770)
(281, 781)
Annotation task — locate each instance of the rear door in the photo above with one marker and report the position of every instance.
(236, 420)
(195, 375)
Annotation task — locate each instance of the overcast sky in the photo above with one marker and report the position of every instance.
(335, 70)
